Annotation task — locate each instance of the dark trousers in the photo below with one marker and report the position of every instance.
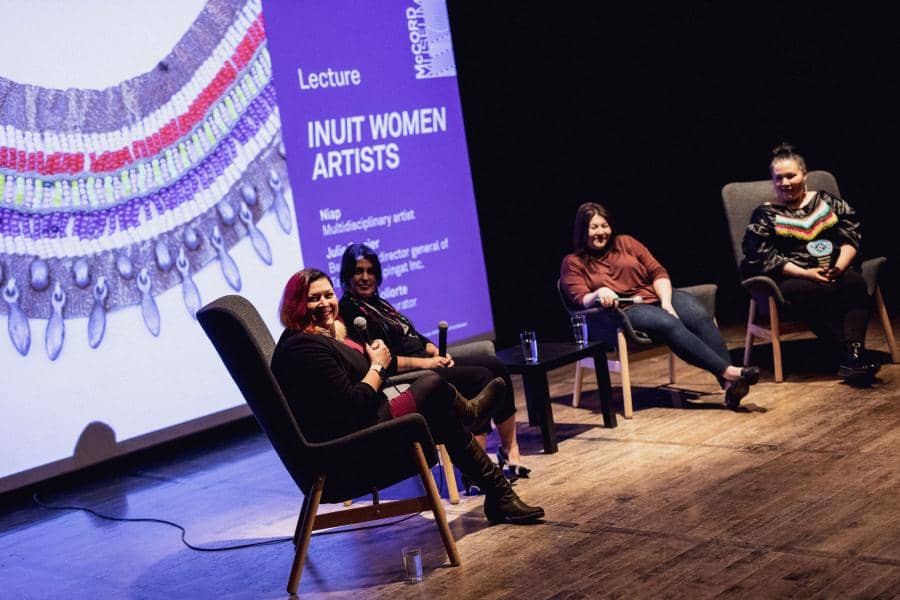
(692, 336)
(434, 401)
(838, 313)
(471, 373)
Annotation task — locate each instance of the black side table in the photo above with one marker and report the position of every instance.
(552, 355)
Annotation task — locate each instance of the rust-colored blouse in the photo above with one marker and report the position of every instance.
(627, 268)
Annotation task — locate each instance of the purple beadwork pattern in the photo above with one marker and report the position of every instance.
(96, 210)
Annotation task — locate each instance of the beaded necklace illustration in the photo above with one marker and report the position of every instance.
(110, 197)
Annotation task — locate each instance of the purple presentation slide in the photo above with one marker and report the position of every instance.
(376, 151)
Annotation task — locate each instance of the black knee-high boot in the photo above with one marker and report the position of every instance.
(475, 413)
(501, 503)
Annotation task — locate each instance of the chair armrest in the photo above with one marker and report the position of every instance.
(585, 311)
(406, 376)
(761, 287)
(632, 334)
(604, 322)
(871, 271)
(479, 348)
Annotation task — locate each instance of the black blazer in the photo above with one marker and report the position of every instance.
(322, 381)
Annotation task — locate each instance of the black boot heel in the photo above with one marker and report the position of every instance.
(751, 374)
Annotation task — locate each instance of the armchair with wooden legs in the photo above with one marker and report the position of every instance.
(770, 316)
(613, 326)
(334, 471)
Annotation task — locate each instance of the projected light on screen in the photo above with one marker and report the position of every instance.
(377, 154)
(147, 167)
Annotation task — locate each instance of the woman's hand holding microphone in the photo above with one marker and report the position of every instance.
(378, 353)
(606, 297)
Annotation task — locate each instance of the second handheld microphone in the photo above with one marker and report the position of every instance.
(442, 338)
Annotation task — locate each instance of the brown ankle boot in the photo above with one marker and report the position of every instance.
(476, 412)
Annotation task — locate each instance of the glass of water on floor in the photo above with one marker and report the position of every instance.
(412, 564)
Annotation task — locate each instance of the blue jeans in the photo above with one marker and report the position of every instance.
(693, 336)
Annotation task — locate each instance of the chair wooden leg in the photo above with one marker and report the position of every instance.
(776, 339)
(299, 528)
(626, 374)
(576, 390)
(305, 529)
(449, 475)
(886, 325)
(440, 518)
(748, 342)
(672, 361)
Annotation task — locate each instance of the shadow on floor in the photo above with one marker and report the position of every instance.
(347, 560)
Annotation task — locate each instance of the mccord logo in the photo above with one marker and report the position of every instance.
(429, 37)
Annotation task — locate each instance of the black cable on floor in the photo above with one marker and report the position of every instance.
(44, 505)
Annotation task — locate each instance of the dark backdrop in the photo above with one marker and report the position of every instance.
(651, 111)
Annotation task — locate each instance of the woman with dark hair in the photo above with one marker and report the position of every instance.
(360, 277)
(808, 242)
(333, 386)
(606, 266)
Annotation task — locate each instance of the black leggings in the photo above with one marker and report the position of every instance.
(838, 313)
(471, 373)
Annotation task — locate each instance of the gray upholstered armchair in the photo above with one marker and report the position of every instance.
(333, 471)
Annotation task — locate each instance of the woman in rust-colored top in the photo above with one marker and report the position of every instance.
(605, 267)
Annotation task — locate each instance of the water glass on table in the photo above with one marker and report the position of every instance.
(529, 346)
(579, 330)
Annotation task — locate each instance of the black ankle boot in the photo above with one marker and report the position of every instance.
(501, 504)
(475, 413)
(854, 364)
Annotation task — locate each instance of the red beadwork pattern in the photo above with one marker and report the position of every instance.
(71, 163)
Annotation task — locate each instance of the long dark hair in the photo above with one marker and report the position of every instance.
(784, 151)
(294, 310)
(586, 212)
(352, 254)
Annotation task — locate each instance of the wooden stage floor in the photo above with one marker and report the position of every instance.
(798, 495)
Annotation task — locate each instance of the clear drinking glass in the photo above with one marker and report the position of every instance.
(412, 564)
(529, 346)
(579, 330)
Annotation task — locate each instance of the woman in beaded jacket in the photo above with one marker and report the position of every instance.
(808, 242)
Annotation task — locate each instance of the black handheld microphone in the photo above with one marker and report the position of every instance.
(630, 300)
(363, 327)
(442, 338)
